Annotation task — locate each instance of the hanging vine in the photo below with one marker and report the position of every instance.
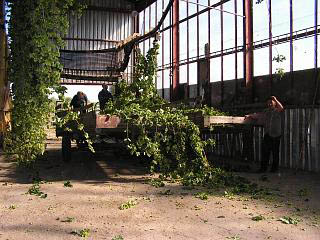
(36, 28)
(280, 72)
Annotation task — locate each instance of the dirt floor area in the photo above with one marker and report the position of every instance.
(82, 199)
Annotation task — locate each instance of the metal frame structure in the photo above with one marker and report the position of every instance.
(172, 67)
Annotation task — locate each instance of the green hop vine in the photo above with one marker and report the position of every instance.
(36, 28)
(156, 129)
(68, 120)
(280, 70)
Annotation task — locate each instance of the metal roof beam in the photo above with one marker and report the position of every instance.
(109, 9)
(140, 5)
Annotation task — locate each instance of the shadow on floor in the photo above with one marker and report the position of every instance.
(103, 166)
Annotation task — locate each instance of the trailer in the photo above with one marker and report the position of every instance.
(105, 131)
(108, 132)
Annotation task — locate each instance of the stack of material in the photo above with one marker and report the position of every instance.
(5, 110)
(5, 100)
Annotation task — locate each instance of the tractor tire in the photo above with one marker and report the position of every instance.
(66, 149)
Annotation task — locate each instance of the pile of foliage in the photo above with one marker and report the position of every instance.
(156, 129)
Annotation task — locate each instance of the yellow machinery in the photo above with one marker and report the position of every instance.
(5, 99)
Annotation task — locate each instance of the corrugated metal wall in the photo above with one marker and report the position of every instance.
(100, 28)
(300, 144)
(299, 148)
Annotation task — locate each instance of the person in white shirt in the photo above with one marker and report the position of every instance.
(271, 119)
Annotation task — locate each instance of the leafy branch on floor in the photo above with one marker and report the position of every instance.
(68, 184)
(127, 205)
(258, 218)
(202, 195)
(156, 182)
(68, 220)
(82, 233)
(118, 237)
(289, 220)
(12, 207)
(35, 190)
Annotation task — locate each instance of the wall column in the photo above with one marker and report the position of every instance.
(175, 51)
(249, 50)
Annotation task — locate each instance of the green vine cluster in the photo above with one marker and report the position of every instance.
(69, 121)
(36, 28)
(160, 131)
(279, 71)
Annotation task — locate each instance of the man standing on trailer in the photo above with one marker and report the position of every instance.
(104, 96)
(272, 122)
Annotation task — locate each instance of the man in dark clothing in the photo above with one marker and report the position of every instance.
(271, 119)
(104, 96)
(79, 100)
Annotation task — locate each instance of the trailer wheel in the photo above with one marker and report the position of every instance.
(66, 148)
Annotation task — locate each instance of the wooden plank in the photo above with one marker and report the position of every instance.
(211, 120)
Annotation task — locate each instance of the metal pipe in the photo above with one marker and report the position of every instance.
(170, 50)
(144, 31)
(198, 32)
(316, 53)
(109, 30)
(270, 46)
(155, 24)
(74, 30)
(222, 83)
(198, 50)
(249, 49)
(156, 13)
(135, 30)
(175, 50)
(244, 40)
(315, 36)
(149, 25)
(221, 10)
(162, 40)
(236, 53)
(208, 59)
(90, 29)
(188, 55)
(291, 47)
